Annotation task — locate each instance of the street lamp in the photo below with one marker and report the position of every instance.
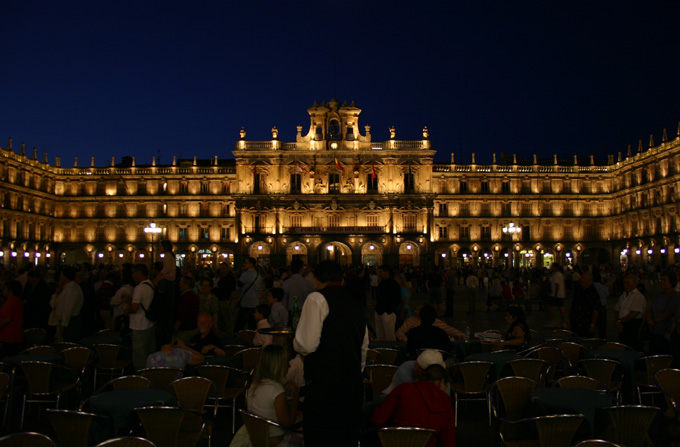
(153, 230)
(511, 228)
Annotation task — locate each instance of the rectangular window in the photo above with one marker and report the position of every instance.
(486, 234)
(183, 234)
(203, 233)
(463, 187)
(183, 210)
(371, 183)
(204, 188)
(409, 184)
(409, 221)
(295, 183)
(334, 220)
(224, 233)
(464, 233)
(485, 186)
(443, 209)
(443, 232)
(505, 187)
(296, 221)
(333, 182)
(225, 210)
(183, 188)
(372, 221)
(205, 209)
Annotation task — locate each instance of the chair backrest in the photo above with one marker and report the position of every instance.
(550, 354)
(562, 333)
(629, 424)
(583, 382)
(605, 371)
(26, 439)
(193, 391)
(593, 343)
(71, 427)
(614, 346)
(381, 375)
(536, 337)
(131, 382)
(389, 354)
(230, 350)
(107, 333)
(40, 350)
(475, 376)
(127, 441)
(573, 352)
(654, 364)
(162, 424)
(218, 374)
(108, 356)
(77, 356)
(5, 380)
(558, 431)
(534, 369)
(35, 336)
(246, 335)
(668, 381)
(258, 428)
(596, 443)
(38, 376)
(160, 376)
(61, 345)
(246, 359)
(405, 436)
(512, 392)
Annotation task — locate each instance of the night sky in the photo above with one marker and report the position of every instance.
(115, 78)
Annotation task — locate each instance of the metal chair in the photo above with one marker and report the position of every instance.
(192, 393)
(43, 386)
(550, 354)
(62, 345)
(26, 439)
(380, 375)
(474, 383)
(388, 354)
(593, 343)
(582, 382)
(258, 428)
(668, 381)
(235, 384)
(534, 369)
(79, 359)
(536, 337)
(550, 431)
(131, 382)
(563, 333)
(571, 354)
(111, 360)
(606, 371)
(509, 394)
(5, 391)
(127, 441)
(246, 360)
(405, 436)
(34, 336)
(644, 379)
(628, 424)
(39, 350)
(614, 346)
(596, 443)
(165, 427)
(247, 336)
(72, 427)
(161, 376)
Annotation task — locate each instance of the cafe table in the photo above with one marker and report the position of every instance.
(120, 405)
(556, 400)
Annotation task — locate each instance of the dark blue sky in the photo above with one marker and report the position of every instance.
(83, 78)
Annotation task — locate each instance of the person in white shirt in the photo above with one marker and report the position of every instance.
(630, 309)
(69, 303)
(557, 293)
(143, 331)
(472, 284)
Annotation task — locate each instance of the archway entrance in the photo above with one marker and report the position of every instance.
(335, 251)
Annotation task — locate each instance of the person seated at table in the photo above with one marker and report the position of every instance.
(278, 317)
(206, 341)
(261, 314)
(427, 335)
(173, 354)
(518, 335)
(414, 321)
(412, 370)
(422, 404)
(267, 397)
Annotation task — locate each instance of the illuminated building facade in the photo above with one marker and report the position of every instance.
(335, 193)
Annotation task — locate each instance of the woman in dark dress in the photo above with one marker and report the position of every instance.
(518, 335)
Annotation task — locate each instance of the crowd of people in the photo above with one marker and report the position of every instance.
(179, 317)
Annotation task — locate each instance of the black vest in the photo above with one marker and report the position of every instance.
(338, 356)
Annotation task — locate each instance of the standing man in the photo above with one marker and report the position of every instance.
(472, 284)
(187, 310)
(558, 292)
(661, 313)
(143, 331)
(164, 281)
(450, 284)
(332, 336)
(386, 303)
(226, 284)
(603, 293)
(296, 285)
(69, 304)
(629, 311)
(585, 307)
(248, 284)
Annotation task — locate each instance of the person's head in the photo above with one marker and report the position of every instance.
(554, 267)
(261, 312)
(166, 337)
(435, 374)
(273, 365)
(13, 288)
(426, 359)
(515, 315)
(206, 285)
(328, 271)
(68, 274)
(224, 268)
(186, 283)
(383, 272)
(249, 263)
(629, 282)
(167, 246)
(204, 323)
(275, 295)
(586, 279)
(126, 274)
(668, 281)
(296, 265)
(140, 272)
(427, 315)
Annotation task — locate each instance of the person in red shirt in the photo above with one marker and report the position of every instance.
(11, 320)
(423, 404)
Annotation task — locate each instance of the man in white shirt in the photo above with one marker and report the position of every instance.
(333, 337)
(69, 303)
(558, 292)
(629, 311)
(296, 285)
(143, 331)
(472, 284)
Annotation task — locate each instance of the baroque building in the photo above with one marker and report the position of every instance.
(336, 194)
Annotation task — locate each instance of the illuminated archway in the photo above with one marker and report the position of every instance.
(409, 254)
